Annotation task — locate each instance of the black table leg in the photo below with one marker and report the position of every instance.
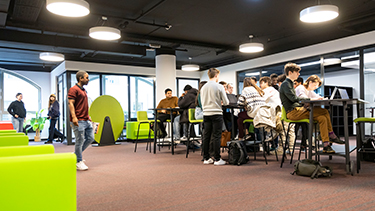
(311, 124)
(155, 130)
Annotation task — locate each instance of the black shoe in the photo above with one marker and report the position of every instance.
(328, 149)
(336, 140)
(48, 142)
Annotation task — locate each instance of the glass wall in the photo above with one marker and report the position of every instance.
(13, 83)
(181, 83)
(141, 95)
(369, 86)
(92, 89)
(117, 87)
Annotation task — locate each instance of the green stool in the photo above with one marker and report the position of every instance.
(359, 138)
(142, 118)
(192, 122)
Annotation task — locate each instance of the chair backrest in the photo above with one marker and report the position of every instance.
(142, 116)
(283, 114)
(191, 114)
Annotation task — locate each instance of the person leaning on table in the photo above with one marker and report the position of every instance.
(295, 110)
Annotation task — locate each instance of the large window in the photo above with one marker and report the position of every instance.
(142, 95)
(181, 83)
(13, 84)
(117, 87)
(369, 85)
(92, 89)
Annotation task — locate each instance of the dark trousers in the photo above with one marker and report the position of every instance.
(305, 130)
(52, 131)
(212, 132)
(163, 118)
(241, 117)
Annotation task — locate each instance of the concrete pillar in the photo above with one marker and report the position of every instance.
(165, 74)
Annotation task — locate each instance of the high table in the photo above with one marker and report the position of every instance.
(156, 125)
(337, 102)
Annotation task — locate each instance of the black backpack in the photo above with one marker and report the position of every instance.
(237, 153)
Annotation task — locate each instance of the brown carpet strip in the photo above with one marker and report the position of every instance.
(119, 179)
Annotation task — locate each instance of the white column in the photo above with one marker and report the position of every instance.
(165, 75)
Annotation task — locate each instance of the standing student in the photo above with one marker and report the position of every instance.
(295, 111)
(18, 112)
(212, 97)
(80, 120)
(53, 115)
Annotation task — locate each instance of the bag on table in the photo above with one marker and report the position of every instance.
(311, 168)
(237, 153)
(225, 137)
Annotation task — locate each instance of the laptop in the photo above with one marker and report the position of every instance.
(343, 94)
(333, 93)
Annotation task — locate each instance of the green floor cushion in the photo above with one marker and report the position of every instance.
(8, 131)
(12, 134)
(14, 140)
(38, 182)
(26, 150)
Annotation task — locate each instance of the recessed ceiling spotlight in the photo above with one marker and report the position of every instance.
(319, 13)
(52, 57)
(68, 8)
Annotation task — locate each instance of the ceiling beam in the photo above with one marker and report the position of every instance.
(70, 42)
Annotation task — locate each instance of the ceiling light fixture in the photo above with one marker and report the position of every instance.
(319, 13)
(105, 33)
(251, 47)
(190, 67)
(68, 8)
(52, 57)
(331, 61)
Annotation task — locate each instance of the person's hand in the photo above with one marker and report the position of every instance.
(75, 121)
(48, 117)
(183, 94)
(24, 120)
(16, 115)
(163, 111)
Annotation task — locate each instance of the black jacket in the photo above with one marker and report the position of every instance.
(186, 102)
(54, 110)
(17, 107)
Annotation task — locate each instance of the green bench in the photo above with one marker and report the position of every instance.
(132, 129)
(12, 134)
(8, 131)
(14, 140)
(30, 172)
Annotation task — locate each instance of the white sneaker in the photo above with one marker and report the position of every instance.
(184, 138)
(209, 161)
(81, 166)
(219, 162)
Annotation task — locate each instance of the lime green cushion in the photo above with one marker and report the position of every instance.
(13, 140)
(131, 130)
(364, 119)
(8, 131)
(49, 177)
(248, 121)
(26, 150)
(12, 134)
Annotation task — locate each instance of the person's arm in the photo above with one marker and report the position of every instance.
(182, 102)
(315, 96)
(55, 109)
(11, 110)
(160, 106)
(73, 112)
(290, 93)
(224, 97)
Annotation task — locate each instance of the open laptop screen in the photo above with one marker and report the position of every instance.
(333, 93)
(343, 94)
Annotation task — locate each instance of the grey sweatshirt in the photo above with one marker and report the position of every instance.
(212, 95)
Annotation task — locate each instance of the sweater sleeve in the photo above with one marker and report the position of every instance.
(290, 93)
(224, 97)
(10, 109)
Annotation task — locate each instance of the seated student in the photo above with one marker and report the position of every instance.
(198, 102)
(252, 99)
(163, 115)
(298, 82)
(295, 111)
(274, 83)
(307, 89)
(186, 101)
(227, 112)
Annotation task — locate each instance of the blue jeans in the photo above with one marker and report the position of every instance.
(176, 128)
(84, 137)
(18, 124)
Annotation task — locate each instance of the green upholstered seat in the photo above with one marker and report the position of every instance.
(285, 119)
(24, 179)
(131, 130)
(248, 121)
(14, 140)
(8, 131)
(12, 134)
(364, 119)
(192, 116)
(26, 150)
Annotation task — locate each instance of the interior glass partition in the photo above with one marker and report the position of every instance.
(182, 82)
(369, 86)
(141, 95)
(117, 87)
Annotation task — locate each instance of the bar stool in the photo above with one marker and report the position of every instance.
(359, 138)
(192, 122)
(286, 133)
(143, 119)
(251, 121)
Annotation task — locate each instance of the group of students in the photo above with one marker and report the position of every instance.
(274, 92)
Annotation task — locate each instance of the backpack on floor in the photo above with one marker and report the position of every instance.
(237, 153)
(369, 145)
(311, 168)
